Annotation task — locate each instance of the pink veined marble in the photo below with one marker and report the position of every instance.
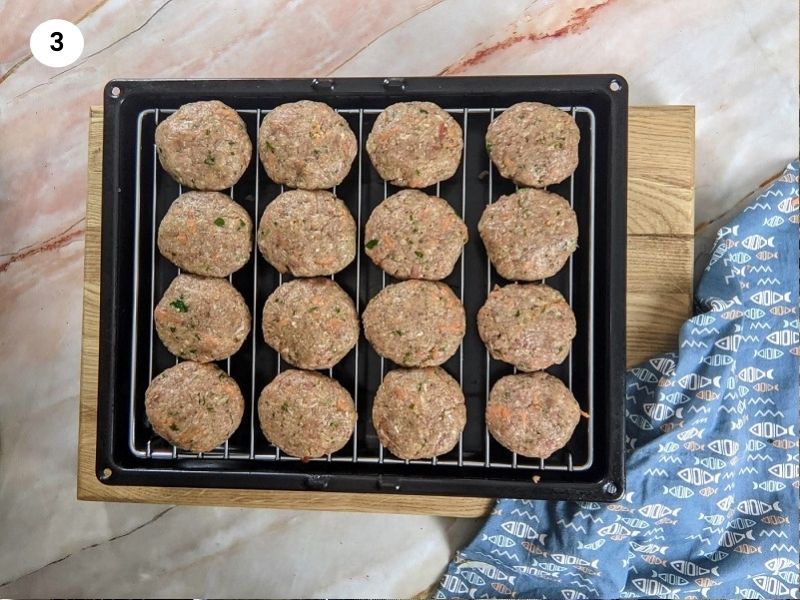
(736, 61)
(19, 19)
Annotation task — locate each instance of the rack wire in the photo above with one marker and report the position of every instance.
(144, 443)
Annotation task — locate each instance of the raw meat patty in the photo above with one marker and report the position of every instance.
(194, 406)
(529, 235)
(312, 323)
(419, 413)
(204, 145)
(415, 144)
(306, 145)
(202, 318)
(415, 323)
(307, 233)
(411, 235)
(534, 144)
(206, 233)
(306, 414)
(532, 414)
(528, 325)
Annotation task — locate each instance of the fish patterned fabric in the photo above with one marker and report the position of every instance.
(711, 502)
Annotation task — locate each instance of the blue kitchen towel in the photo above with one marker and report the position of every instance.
(711, 502)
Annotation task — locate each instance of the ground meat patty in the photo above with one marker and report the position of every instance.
(534, 144)
(415, 144)
(206, 233)
(306, 145)
(194, 406)
(413, 235)
(202, 318)
(532, 414)
(306, 414)
(312, 323)
(415, 323)
(307, 233)
(204, 145)
(419, 413)
(529, 235)
(529, 325)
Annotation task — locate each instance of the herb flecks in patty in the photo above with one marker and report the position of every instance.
(179, 305)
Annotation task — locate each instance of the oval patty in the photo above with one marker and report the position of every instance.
(202, 318)
(532, 414)
(529, 325)
(411, 235)
(204, 145)
(419, 413)
(312, 323)
(307, 233)
(194, 406)
(206, 233)
(415, 144)
(306, 145)
(529, 235)
(415, 323)
(534, 144)
(306, 414)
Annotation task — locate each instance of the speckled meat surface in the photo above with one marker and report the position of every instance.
(194, 406)
(204, 145)
(206, 233)
(415, 323)
(202, 318)
(529, 325)
(415, 144)
(419, 413)
(529, 235)
(411, 235)
(307, 233)
(534, 144)
(306, 145)
(312, 323)
(306, 414)
(532, 414)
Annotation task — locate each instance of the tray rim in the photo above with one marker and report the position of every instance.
(612, 320)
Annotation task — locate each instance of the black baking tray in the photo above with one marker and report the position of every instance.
(136, 194)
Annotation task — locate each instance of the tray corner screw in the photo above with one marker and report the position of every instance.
(395, 83)
(323, 83)
(610, 488)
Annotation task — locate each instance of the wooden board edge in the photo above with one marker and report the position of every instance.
(661, 193)
(443, 506)
(662, 332)
(660, 264)
(90, 325)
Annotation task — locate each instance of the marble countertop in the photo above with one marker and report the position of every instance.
(735, 60)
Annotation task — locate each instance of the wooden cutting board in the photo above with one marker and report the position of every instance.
(660, 261)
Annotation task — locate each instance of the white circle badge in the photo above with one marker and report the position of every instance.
(56, 43)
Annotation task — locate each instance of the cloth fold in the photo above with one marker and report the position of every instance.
(711, 502)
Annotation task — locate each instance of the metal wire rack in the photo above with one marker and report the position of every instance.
(154, 191)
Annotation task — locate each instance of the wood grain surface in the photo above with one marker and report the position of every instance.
(660, 257)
